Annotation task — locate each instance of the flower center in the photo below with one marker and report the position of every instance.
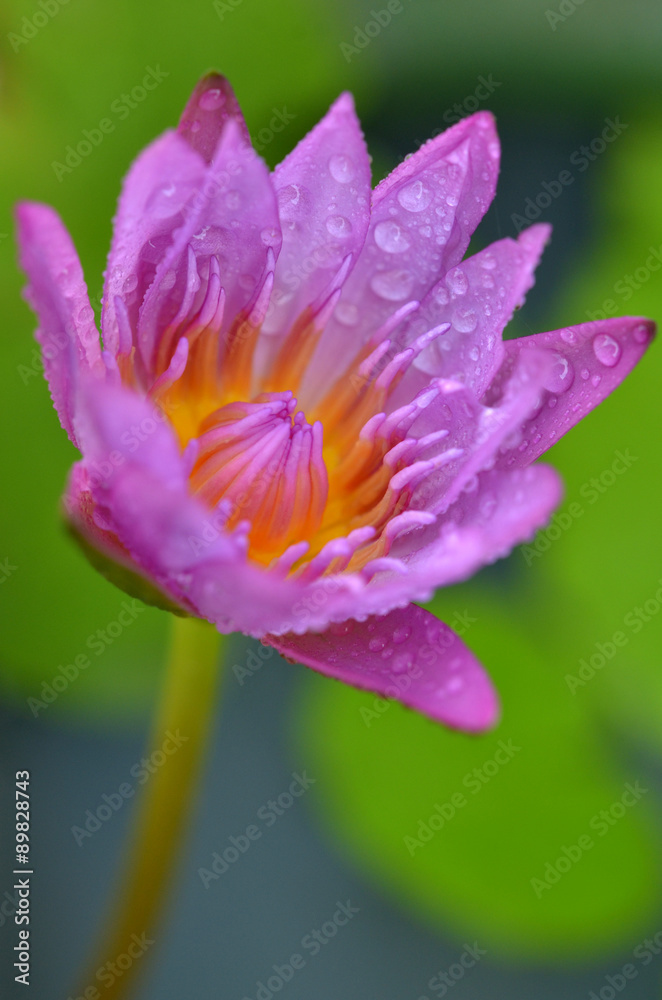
(264, 462)
(314, 497)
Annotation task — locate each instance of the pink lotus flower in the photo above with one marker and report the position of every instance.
(304, 417)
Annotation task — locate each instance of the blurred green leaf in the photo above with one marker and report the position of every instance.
(384, 773)
(608, 563)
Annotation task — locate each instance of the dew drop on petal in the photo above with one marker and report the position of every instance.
(341, 168)
(130, 283)
(568, 336)
(341, 628)
(465, 321)
(270, 237)
(561, 376)
(402, 662)
(415, 197)
(289, 195)
(456, 280)
(584, 373)
(210, 100)
(233, 200)
(376, 645)
(401, 634)
(338, 226)
(85, 314)
(347, 313)
(162, 202)
(607, 350)
(392, 285)
(391, 238)
(641, 334)
(595, 381)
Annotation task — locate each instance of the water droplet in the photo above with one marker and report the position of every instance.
(561, 376)
(391, 238)
(338, 226)
(341, 628)
(211, 99)
(100, 520)
(195, 126)
(456, 280)
(584, 373)
(488, 281)
(162, 202)
(607, 350)
(270, 237)
(465, 321)
(568, 336)
(474, 353)
(289, 195)
(488, 261)
(641, 334)
(441, 296)
(168, 281)
(130, 283)
(595, 381)
(401, 663)
(341, 168)
(415, 197)
(233, 200)
(376, 645)
(401, 634)
(392, 285)
(487, 506)
(347, 313)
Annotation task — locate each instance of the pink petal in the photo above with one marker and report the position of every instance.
(422, 217)
(590, 361)
(498, 511)
(477, 430)
(478, 298)
(233, 217)
(408, 655)
(210, 106)
(323, 190)
(154, 196)
(58, 294)
(117, 427)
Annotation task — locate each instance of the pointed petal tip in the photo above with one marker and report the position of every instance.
(430, 669)
(344, 103)
(536, 236)
(211, 107)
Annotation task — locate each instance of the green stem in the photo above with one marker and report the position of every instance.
(187, 704)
